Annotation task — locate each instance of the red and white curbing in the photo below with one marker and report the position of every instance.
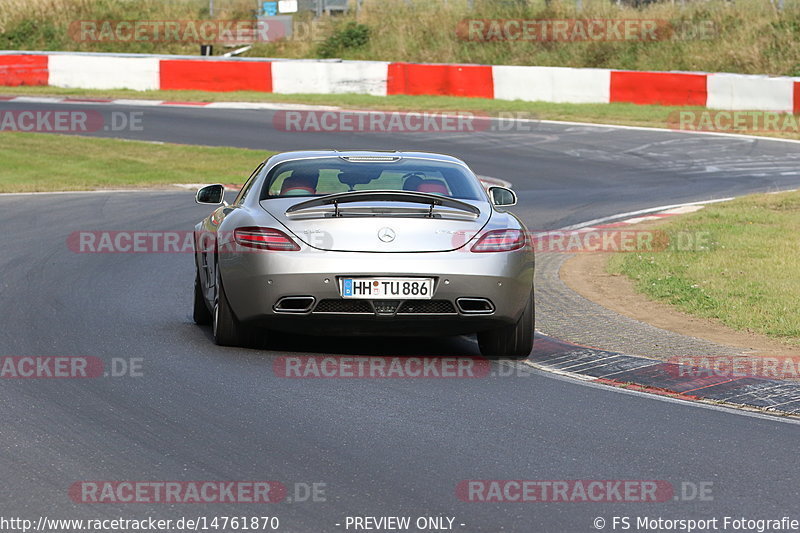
(655, 216)
(381, 78)
(619, 221)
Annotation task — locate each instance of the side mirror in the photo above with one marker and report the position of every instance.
(210, 194)
(502, 197)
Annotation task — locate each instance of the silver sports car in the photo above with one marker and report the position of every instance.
(365, 243)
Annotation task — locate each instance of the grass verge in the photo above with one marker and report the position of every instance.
(65, 163)
(748, 275)
(651, 116)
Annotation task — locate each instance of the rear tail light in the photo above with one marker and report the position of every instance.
(265, 239)
(500, 240)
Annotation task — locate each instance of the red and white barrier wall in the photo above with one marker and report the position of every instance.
(547, 84)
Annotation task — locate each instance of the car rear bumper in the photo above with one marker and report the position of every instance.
(257, 285)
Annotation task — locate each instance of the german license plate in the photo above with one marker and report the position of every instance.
(387, 288)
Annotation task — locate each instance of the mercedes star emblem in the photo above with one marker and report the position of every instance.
(386, 234)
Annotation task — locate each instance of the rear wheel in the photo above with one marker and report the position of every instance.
(510, 342)
(227, 329)
(201, 314)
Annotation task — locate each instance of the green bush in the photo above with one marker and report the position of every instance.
(349, 37)
(32, 34)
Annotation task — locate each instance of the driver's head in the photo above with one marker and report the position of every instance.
(412, 183)
(302, 181)
(306, 177)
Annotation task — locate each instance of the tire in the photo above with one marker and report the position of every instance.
(201, 314)
(510, 342)
(226, 327)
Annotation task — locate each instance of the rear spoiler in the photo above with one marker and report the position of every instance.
(432, 200)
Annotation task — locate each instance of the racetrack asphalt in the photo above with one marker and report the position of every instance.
(382, 447)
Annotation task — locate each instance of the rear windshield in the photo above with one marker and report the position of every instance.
(318, 177)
